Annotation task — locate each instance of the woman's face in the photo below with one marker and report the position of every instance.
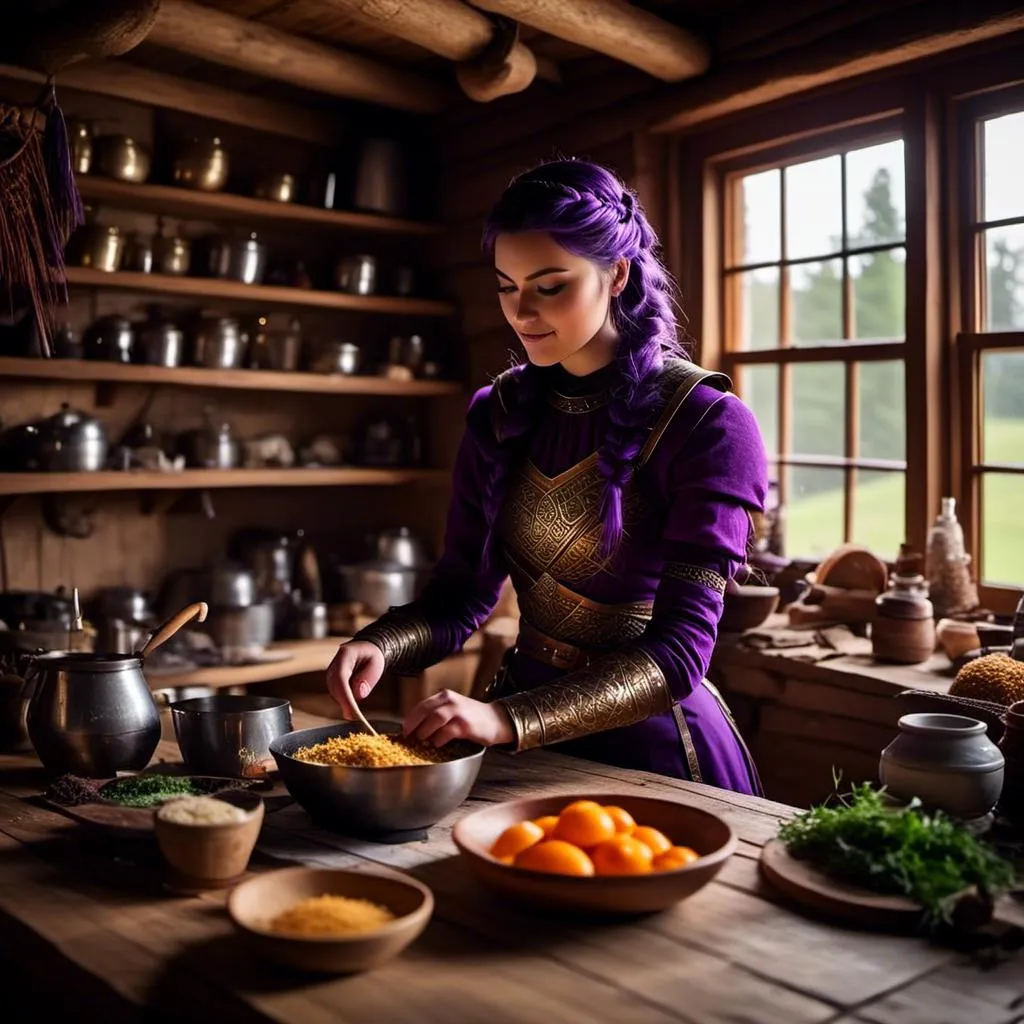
(556, 302)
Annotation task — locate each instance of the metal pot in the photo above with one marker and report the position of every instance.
(379, 586)
(278, 187)
(201, 164)
(28, 609)
(110, 338)
(67, 343)
(400, 546)
(357, 275)
(80, 141)
(231, 587)
(210, 447)
(339, 357)
(309, 620)
(242, 259)
(219, 344)
(123, 158)
(242, 630)
(160, 343)
(128, 603)
(380, 178)
(138, 254)
(271, 557)
(98, 247)
(91, 714)
(172, 255)
(71, 442)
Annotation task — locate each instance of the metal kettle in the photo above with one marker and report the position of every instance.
(94, 714)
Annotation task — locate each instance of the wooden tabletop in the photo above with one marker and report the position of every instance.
(85, 922)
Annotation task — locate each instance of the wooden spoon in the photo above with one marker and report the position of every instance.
(195, 611)
(362, 718)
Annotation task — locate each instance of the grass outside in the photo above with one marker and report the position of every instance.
(814, 525)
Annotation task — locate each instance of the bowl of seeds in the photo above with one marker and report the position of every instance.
(206, 841)
(353, 782)
(330, 920)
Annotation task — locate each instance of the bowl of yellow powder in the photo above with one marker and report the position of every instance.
(351, 782)
(330, 920)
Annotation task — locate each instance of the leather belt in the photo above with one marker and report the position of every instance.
(557, 653)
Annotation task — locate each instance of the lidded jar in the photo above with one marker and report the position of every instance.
(904, 627)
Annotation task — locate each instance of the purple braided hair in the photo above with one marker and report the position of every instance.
(589, 212)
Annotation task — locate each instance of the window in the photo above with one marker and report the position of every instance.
(991, 345)
(814, 288)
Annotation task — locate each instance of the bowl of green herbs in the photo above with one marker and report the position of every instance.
(869, 861)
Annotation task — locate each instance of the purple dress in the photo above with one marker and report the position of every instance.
(647, 617)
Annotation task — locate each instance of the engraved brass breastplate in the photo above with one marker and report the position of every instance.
(551, 530)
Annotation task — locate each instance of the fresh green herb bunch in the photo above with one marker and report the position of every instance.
(147, 790)
(926, 857)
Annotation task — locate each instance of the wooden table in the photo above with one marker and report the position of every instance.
(86, 924)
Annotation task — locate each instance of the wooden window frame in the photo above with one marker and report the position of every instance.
(969, 101)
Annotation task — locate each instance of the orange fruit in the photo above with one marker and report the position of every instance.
(556, 857)
(624, 823)
(622, 855)
(675, 857)
(585, 824)
(657, 841)
(516, 838)
(548, 823)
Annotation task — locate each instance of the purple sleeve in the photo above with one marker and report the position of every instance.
(715, 480)
(464, 586)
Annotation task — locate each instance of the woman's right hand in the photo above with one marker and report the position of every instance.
(359, 665)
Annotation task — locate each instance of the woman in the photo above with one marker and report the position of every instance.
(614, 481)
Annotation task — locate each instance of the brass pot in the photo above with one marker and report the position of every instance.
(98, 247)
(123, 158)
(278, 187)
(201, 164)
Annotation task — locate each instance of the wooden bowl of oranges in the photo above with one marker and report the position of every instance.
(606, 853)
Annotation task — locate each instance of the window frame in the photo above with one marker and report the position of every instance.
(973, 99)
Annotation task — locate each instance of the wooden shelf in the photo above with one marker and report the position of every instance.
(167, 200)
(259, 294)
(201, 377)
(199, 479)
(307, 656)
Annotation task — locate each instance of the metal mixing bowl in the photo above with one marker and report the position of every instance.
(372, 801)
(229, 735)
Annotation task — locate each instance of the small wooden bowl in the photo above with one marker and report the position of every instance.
(685, 825)
(746, 606)
(202, 857)
(256, 902)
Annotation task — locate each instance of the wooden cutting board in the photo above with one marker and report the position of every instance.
(806, 885)
(847, 904)
(137, 822)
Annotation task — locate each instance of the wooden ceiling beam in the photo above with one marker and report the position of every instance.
(128, 82)
(615, 28)
(907, 35)
(257, 48)
(486, 68)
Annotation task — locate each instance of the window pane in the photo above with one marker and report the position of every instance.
(879, 502)
(814, 208)
(759, 388)
(1002, 498)
(876, 198)
(879, 295)
(1004, 151)
(1002, 381)
(762, 217)
(814, 511)
(1005, 258)
(759, 309)
(819, 409)
(882, 419)
(817, 298)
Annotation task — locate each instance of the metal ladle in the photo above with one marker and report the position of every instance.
(164, 633)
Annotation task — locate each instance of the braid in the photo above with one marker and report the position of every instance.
(646, 324)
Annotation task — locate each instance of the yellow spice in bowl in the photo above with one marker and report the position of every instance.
(326, 916)
(361, 750)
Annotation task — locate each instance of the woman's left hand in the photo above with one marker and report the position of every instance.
(448, 716)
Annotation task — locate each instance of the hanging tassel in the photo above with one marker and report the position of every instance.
(64, 198)
(31, 246)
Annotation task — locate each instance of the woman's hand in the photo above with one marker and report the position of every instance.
(359, 665)
(448, 716)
